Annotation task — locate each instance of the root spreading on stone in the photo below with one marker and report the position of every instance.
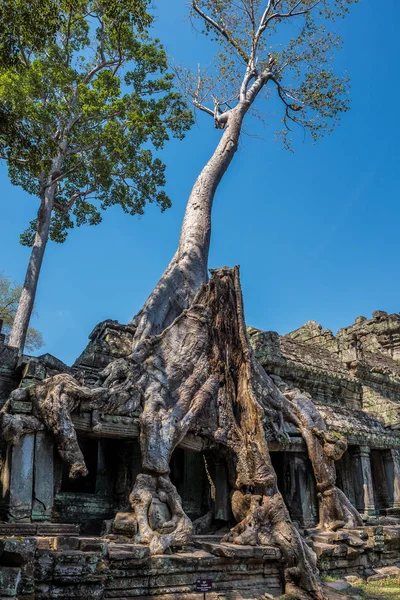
(200, 375)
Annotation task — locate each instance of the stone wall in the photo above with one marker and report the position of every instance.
(78, 567)
(45, 566)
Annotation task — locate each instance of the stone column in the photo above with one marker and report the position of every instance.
(396, 479)
(194, 484)
(102, 483)
(345, 477)
(17, 480)
(43, 491)
(300, 492)
(380, 481)
(364, 489)
(222, 499)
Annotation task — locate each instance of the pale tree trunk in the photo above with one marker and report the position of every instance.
(188, 268)
(27, 300)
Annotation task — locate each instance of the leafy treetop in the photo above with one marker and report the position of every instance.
(96, 99)
(283, 43)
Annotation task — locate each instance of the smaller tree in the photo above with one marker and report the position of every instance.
(10, 293)
(80, 118)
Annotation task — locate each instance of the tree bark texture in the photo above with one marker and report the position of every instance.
(188, 268)
(27, 300)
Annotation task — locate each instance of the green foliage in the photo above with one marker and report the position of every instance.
(10, 294)
(25, 24)
(98, 98)
(284, 43)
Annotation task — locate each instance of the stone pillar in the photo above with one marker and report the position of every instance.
(380, 481)
(102, 484)
(364, 489)
(193, 495)
(17, 480)
(222, 492)
(300, 492)
(345, 477)
(396, 479)
(43, 490)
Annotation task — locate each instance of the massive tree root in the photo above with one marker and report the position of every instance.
(324, 448)
(200, 375)
(56, 398)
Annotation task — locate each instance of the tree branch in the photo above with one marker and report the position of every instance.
(221, 30)
(63, 175)
(292, 12)
(283, 95)
(97, 68)
(205, 109)
(67, 207)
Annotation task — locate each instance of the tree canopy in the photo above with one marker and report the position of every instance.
(10, 293)
(97, 92)
(283, 48)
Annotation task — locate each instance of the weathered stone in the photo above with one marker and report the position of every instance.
(119, 552)
(44, 565)
(93, 545)
(125, 524)
(240, 551)
(159, 514)
(66, 543)
(43, 493)
(339, 585)
(10, 578)
(63, 529)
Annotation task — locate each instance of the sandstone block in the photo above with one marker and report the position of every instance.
(10, 577)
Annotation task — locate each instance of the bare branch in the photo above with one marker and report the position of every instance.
(292, 12)
(284, 94)
(205, 109)
(221, 30)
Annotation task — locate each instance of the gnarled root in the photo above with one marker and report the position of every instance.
(177, 531)
(56, 398)
(14, 427)
(268, 523)
(336, 510)
(324, 449)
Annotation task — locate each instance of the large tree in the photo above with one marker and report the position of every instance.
(192, 368)
(266, 50)
(81, 115)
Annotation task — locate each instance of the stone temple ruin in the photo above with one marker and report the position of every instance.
(64, 538)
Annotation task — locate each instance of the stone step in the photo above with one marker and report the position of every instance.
(54, 529)
(235, 551)
(121, 552)
(330, 537)
(17, 529)
(216, 539)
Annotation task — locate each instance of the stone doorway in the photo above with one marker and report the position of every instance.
(297, 485)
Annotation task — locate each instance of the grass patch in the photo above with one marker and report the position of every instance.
(384, 589)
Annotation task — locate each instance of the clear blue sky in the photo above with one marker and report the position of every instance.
(316, 232)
